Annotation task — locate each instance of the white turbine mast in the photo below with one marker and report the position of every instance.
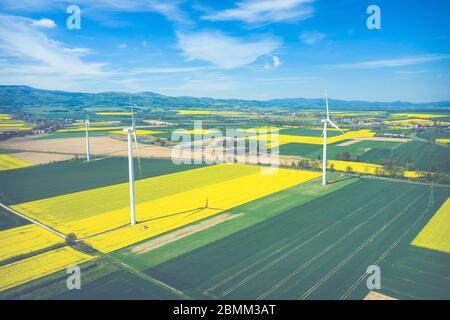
(88, 151)
(131, 133)
(326, 121)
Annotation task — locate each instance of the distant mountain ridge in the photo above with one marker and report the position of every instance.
(18, 96)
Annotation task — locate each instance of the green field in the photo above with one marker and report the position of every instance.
(299, 149)
(9, 220)
(431, 135)
(317, 250)
(334, 151)
(425, 156)
(100, 279)
(39, 182)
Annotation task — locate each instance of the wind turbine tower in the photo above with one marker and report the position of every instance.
(131, 133)
(326, 121)
(88, 151)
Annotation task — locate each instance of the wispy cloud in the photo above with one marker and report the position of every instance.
(265, 11)
(391, 63)
(170, 9)
(312, 37)
(222, 50)
(27, 52)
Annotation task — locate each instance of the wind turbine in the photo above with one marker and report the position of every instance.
(326, 121)
(88, 152)
(131, 133)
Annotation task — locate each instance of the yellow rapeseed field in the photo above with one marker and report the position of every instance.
(211, 112)
(418, 115)
(284, 139)
(443, 140)
(139, 132)
(367, 168)
(410, 122)
(436, 234)
(65, 212)
(25, 239)
(8, 162)
(171, 212)
(22, 271)
(198, 131)
(164, 202)
(5, 116)
(90, 129)
(9, 124)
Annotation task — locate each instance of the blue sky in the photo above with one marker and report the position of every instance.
(231, 49)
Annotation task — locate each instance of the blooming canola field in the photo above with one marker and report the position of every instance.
(9, 162)
(25, 239)
(25, 270)
(284, 139)
(163, 203)
(436, 234)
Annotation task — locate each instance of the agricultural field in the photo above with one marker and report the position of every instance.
(179, 198)
(18, 272)
(436, 234)
(227, 231)
(324, 246)
(8, 162)
(417, 152)
(24, 240)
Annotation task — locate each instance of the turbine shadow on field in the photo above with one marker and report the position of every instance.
(191, 212)
(344, 179)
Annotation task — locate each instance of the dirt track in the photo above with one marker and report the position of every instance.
(99, 146)
(41, 157)
(181, 233)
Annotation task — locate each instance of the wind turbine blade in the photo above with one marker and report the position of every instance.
(334, 125)
(326, 103)
(137, 152)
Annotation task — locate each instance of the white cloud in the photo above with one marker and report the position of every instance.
(44, 23)
(312, 37)
(222, 50)
(144, 43)
(391, 63)
(170, 10)
(265, 11)
(276, 62)
(123, 46)
(29, 54)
